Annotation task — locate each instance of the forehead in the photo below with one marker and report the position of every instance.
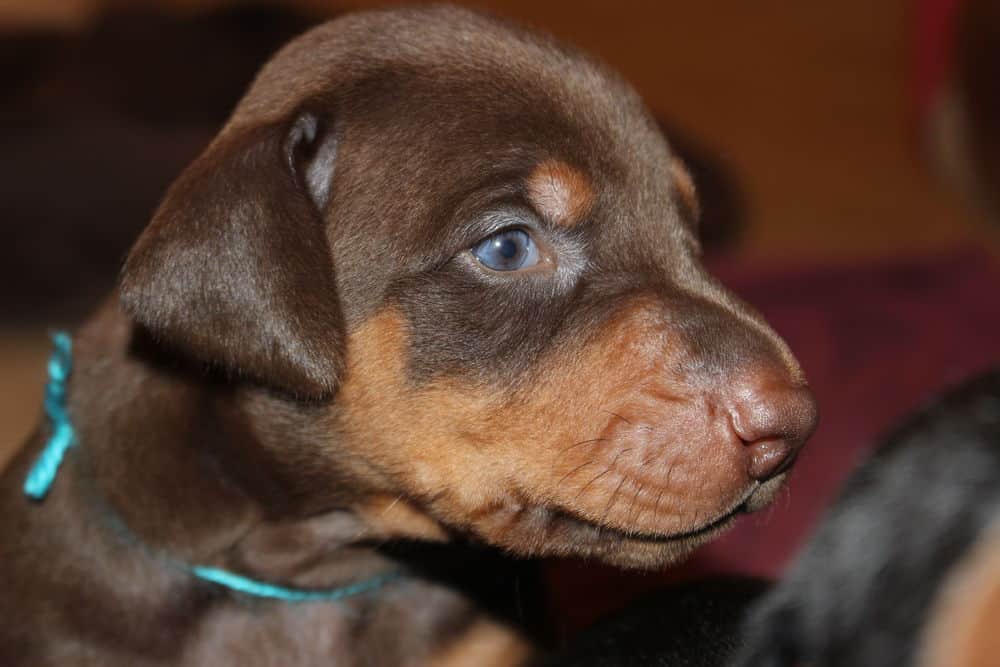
(464, 86)
(448, 136)
(439, 113)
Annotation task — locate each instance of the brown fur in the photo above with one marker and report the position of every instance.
(596, 461)
(686, 191)
(305, 365)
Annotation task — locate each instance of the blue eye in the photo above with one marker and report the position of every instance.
(509, 250)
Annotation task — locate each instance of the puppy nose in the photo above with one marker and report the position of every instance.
(774, 419)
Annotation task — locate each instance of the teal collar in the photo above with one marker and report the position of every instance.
(43, 473)
(63, 436)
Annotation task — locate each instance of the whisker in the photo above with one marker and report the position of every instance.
(582, 442)
(612, 500)
(628, 517)
(391, 505)
(606, 471)
(585, 486)
(670, 471)
(615, 414)
(576, 469)
(656, 505)
(641, 427)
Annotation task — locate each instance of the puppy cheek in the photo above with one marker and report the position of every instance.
(628, 442)
(496, 464)
(423, 445)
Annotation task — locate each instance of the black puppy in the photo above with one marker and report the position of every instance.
(695, 624)
(886, 579)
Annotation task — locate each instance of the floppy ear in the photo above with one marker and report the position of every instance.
(235, 268)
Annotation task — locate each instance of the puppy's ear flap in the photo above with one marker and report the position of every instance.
(235, 268)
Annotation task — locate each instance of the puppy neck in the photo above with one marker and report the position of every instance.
(172, 453)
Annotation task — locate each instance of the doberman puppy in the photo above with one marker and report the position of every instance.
(905, 569)
(437, 278)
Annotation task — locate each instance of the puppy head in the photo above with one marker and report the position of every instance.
(477, 243)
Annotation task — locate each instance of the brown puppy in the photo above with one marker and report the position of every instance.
(436, 278)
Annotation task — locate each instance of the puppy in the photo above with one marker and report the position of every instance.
(695, 624)
(436, 279)
(905, 569)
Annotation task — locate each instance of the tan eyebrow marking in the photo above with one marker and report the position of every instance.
(560, 192)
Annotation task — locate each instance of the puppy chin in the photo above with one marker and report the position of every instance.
(553, 533)
(651, 552)
(765, 493)
(654, 555)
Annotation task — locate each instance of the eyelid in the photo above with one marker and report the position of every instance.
(499, 220)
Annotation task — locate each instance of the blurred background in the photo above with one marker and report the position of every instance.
(847, 155)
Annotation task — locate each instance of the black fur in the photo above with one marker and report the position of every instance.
(689, 625)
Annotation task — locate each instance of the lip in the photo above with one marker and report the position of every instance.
(717, 524)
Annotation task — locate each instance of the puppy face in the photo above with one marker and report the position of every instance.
(475, 245)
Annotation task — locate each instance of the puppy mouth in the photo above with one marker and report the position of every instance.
(605, 532)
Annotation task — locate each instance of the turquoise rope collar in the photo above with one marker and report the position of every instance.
(262, 589)
(43, 474)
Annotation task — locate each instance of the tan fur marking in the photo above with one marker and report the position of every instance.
(486, 643)
(560, 192)
(396, 517)
(964, 621)
(684, 187)
(486, 460)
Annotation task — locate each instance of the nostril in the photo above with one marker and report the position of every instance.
(773, 423)
(768, 458)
